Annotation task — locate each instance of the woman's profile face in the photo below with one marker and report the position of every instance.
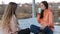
(42, 6)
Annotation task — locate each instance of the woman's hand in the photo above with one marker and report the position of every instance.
(43, 25)
(14, 32)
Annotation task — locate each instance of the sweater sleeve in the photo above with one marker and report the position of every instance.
(13, 25)
(40, 20)
(51, 23)
(5, 31)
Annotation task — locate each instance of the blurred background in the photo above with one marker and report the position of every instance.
(24, 9)
(27, 8)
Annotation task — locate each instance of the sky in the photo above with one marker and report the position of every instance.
(26, 1)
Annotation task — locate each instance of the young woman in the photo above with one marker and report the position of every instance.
(9, 20)
(45, 18)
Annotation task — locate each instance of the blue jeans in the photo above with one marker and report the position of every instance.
(35, 29)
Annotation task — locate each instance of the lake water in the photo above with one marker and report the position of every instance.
(26, 23)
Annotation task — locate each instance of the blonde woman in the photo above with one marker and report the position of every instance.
(9, 22)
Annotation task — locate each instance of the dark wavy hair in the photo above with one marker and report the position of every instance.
(46, 5)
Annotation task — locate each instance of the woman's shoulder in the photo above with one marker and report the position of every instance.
(13, 17)
(49, 10)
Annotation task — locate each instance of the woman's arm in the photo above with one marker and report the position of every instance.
(5, 31)
(40, 20)
(51, 23)
(13, 25)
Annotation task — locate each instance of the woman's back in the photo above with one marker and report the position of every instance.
(13, 26)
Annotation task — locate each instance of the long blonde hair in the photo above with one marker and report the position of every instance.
(9, 11)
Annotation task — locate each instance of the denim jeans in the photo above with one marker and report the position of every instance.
(35, 29)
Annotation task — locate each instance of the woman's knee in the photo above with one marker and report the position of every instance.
(47, 29)
(32, 26)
